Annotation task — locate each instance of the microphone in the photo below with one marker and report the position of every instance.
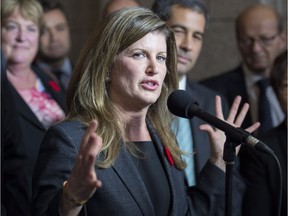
(183, 104)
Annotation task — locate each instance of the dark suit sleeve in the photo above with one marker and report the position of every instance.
(208, 195)
(55, 162)
(257, 196)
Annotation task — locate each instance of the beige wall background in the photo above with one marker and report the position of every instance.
(219, 52)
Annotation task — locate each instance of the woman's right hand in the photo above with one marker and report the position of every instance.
(83, 181)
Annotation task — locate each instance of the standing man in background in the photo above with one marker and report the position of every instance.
(55, 42)
(260, 37)
(188, 20)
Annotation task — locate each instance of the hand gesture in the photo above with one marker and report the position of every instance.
(217, 137)
(83, 181)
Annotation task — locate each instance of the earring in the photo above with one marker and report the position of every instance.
(107, 79)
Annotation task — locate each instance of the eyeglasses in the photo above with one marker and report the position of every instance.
(262, 41)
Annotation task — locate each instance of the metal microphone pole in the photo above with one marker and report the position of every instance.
(229, 156)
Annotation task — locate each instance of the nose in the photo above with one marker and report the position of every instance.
(152, 68)
(21, 35)
(187, 43)
(52, 34)
(256, 46)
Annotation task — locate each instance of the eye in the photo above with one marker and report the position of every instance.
(138, 55)
(11, 27)
(267, 40)
(178, 30)
(198, 36)
(161, 58)
(32, 28)
(61, 27)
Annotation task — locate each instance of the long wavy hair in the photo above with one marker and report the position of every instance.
(87, 96)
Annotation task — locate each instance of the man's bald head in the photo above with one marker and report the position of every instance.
(260, 37)
(256, 14)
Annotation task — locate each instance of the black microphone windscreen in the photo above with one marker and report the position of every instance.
(179, 101)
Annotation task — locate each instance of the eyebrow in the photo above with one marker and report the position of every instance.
(186, 29)
(178, 26)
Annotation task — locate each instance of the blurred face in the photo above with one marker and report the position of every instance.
(259, 41)
(55, 40)
(20, 38)
(188, 27)
(138, 73)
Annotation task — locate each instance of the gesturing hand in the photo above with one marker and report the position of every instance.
(83, 181)
(217, 137)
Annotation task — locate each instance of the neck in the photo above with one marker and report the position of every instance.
(21, 77)
(54, 63)
(57, 64)
(265, 73)
(135, 127)
(137, 131)
(18, 70)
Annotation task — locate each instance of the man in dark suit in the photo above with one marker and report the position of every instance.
(188, 20)
(55, 42)
(263, 194)
(260, 37)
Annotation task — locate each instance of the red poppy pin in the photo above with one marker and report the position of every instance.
(168, 155)
(54, 86)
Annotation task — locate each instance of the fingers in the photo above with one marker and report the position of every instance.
(253, 127)
(242, 114)
(98, 184)
(90, 153)
(90, 130)
(207, 128)
(91, 146)
(218, 107)
(234, 109)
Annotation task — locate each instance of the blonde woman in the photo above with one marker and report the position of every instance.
(116, 153)
(40, 100)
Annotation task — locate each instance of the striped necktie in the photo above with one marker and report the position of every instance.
(185, 142)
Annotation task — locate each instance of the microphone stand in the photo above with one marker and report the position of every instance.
(229, 156)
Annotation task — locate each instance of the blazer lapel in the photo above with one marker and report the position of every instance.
(127, 171)
(52, 87)
(25, 111)
(174, 184)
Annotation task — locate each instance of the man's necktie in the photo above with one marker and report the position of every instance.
(264, 107)
(185, 142)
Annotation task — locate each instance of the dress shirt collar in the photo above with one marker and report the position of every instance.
(182, 82)
(250, 77)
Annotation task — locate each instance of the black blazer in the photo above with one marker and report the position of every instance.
(262, 176)
(31, 128)
(123, 192)
(14, 193)
(231, 84)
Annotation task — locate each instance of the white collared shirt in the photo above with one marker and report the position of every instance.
(182, 82)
